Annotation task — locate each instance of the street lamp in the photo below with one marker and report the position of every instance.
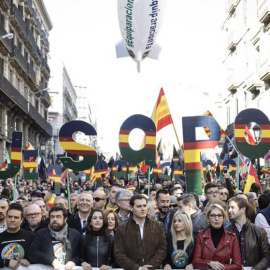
(8, 36)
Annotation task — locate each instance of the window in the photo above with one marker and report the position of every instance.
(1, 66)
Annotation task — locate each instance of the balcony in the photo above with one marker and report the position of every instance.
(68, 96)
(67, 114)
(16, 19)
(9, 90)
(232, 84)
(75, 110)
(18, 61)
(5, 43)
(31, 74)
(46, 97)
(28, 7)
(233, 40)
(5, 5)
(232, 4)
(44, 40)
(45, 69)
(32, 45)
(39, 120)
(253, 82)
(264, 11)
(265, 70)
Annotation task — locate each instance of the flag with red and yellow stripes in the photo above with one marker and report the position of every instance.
(207, 130)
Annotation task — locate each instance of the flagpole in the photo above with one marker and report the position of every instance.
(178, 140)
(68, 190)
(15, 186)
(238, 160)
(148, 181)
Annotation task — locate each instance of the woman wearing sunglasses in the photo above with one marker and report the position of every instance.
(180, 243)
(96, 246)
(216, 248)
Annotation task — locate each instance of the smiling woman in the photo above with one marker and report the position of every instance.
(96, 246)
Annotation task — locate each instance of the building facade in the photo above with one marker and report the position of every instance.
(247, 58)
(24, 73)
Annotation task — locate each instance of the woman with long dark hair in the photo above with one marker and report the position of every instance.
(96, 247)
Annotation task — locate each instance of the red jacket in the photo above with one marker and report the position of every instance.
(227, 252)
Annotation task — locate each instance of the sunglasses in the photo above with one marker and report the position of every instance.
(98, 199)
(223, 193)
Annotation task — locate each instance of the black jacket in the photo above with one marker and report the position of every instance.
(96, 250)
(75, 223)
(41, 250)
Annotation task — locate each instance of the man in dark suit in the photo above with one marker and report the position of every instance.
(57, 245)
(78, 221)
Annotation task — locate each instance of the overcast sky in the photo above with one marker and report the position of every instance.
(189, 69)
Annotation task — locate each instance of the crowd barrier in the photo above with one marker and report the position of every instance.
(46, 267)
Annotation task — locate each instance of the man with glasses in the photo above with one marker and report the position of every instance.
(210, 191)
(3, 214)
(99, 197)
(33, 219)
(15, 242)
(79, 220)
(122, 199)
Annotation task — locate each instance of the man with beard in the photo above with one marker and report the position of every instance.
(165, 214)
(57, 245)
(140, 242)
(33, 218)
(79, 220)
(3, 215)
(15, 242)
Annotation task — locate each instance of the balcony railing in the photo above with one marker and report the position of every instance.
(5, 41)
(13, 93)
(17, 21)
(46, 97)
(31, 73)
(5, 4)
(67, 94)
(67, 114)
(18, 60)
(45, 68)
(45, 40)
(28, 6)
(264, 11)
(40, 120)
(33, 44)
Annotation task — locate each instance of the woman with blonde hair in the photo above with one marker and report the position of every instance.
(216, 248)
(180, 243)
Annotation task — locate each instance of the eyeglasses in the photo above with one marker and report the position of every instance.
(212, 192)
(223, 193)
(33, 215)
(213, 216)
(124, 200)
(98, 199)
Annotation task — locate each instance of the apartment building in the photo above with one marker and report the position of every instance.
(247, 58)
(24, 72)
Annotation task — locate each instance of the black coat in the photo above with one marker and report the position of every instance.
(75, 223)
(41, 250)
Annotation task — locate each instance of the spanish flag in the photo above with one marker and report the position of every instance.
(207, 131)
(252, 178)
(161, 115)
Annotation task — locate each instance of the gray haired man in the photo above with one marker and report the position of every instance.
(122, 199)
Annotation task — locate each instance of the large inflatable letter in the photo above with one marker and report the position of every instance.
(241, 120)
(16, 156)
(193, 148)
(148, 152)
(70, 146)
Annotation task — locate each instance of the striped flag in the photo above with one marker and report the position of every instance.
(207, 130)
(161, 115)
(249, 136)
(29, 146)
(252, 178)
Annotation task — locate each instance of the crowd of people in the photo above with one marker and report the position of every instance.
(134, 226)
